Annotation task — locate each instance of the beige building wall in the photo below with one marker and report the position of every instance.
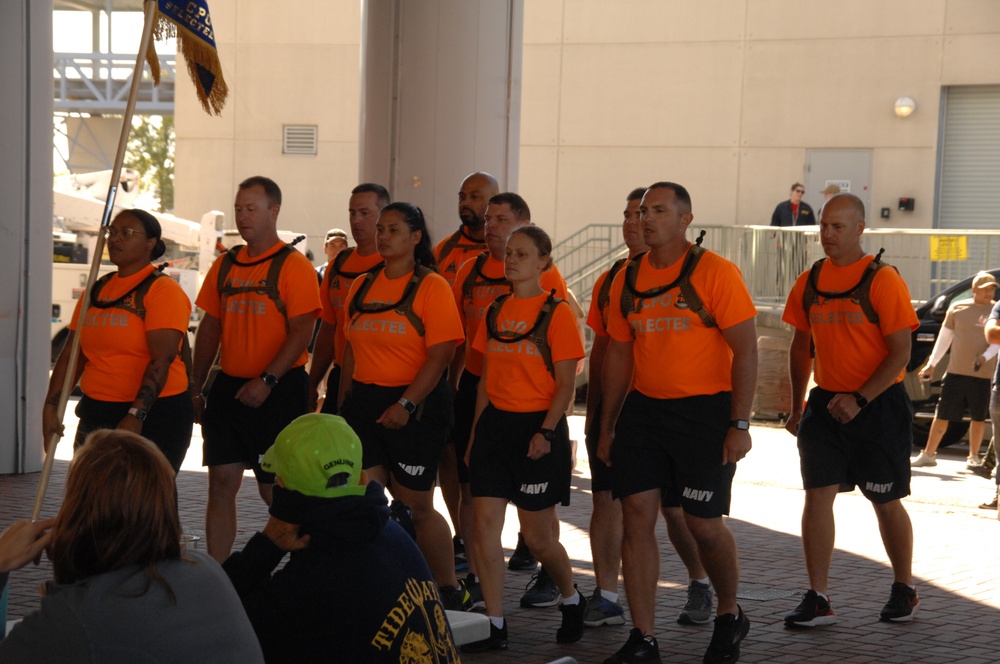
(726, 97)
(281, 70)
(723, 96)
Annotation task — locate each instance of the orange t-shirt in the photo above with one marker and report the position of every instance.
(333, 293)
(518, 380)
(473, 308)
(114, 339)
(253, 330)
(848, 347)
(676, 355)
(387, 349)
(462, 251)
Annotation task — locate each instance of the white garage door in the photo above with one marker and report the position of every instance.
(969, 176)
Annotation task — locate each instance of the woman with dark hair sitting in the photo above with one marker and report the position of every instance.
(402, 328)
(124, 590)
(130, 347)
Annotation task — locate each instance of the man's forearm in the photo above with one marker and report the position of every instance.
(206, 347)
(618, 366)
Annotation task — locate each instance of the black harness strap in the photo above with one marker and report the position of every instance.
(538, 334)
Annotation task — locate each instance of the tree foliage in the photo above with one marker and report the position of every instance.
(151, 152)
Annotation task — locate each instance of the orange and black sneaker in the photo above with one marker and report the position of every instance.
(902, 604)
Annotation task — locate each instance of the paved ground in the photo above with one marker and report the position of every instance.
(956, 565)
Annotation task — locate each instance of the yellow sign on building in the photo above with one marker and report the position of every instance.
(949, 248)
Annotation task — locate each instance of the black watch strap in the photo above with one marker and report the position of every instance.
(269, 379)
(742, 425)
(548, 434)
(860, 399)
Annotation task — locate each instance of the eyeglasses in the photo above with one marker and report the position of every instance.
(800, 191)
(112, 232)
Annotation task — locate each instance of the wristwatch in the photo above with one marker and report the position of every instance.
(548, 434)
(859, 399)
(270, 380)
(407, 405)
(742, 425)
(139, 413)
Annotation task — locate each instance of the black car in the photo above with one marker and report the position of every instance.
(923, 395)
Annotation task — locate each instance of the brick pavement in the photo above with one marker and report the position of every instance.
(955, 565)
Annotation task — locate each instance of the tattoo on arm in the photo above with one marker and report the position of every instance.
(152, 383)
(54, 399)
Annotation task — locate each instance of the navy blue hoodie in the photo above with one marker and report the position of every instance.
(360, 592)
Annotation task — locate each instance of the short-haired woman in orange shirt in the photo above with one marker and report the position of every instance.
(520, 451)
(402, 328)
(130, 367)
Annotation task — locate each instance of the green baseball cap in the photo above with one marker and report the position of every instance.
(317, 455)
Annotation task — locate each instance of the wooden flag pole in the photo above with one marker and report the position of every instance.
(69, 380)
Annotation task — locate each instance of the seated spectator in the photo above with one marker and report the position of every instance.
(124, 591)
(356, 588)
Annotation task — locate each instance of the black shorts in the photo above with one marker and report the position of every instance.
(410, 454)
(872, 451)
(168, 423)
(236, 433)
(500, 468)
(675, 445)
(465, 412)
(600, 474)
(332, 392)
(963, 393)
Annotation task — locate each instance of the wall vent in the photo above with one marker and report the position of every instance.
(299, 139)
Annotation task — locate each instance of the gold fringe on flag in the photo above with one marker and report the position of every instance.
(201, 56)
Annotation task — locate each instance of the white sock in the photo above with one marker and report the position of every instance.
(572, 600)
(497, 622)
(705, 582)
(610, 596)
(826, 597)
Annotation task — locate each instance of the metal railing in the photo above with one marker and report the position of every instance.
(771, 259)
(99, 83)
(584, 255)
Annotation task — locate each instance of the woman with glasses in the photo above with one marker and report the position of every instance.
(130, 368)
(402, 328)
(519, 450)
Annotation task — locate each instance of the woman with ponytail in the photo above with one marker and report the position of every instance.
(402, 327)
(130, 369)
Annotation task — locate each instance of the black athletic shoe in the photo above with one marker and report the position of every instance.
(456, 599)
(902, 604)
(522, 560)
(475, 590)
(729, 631)
(983, 471)
(542, 591)
(497, 640)
(638, 649)
(812, 611)
(571, 629)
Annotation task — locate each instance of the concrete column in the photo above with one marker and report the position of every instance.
(440, 98)
(25, 229)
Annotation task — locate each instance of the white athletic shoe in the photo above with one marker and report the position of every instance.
(923, 460)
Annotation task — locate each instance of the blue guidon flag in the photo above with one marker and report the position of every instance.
(191, 22)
